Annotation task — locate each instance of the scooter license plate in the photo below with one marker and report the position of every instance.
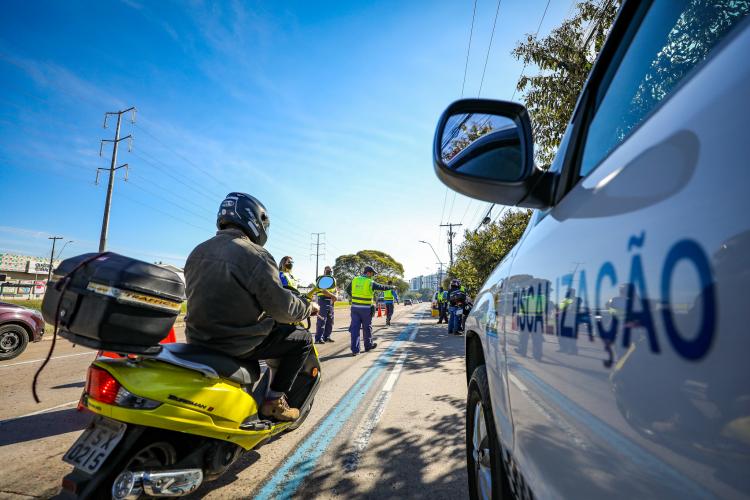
(93, 447)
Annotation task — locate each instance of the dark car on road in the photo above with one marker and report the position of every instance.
(18, 326)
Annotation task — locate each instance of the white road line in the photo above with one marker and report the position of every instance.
(373, 417)
(40, 360)
(69, 403)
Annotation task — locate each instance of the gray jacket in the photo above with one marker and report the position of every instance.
(230, 282)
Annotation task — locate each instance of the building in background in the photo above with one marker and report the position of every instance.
(431, 281)
(23, 276)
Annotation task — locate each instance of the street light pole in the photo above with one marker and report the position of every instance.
(440, 273)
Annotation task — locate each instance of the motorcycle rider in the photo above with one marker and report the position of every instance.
(238, 305)
(456, 299)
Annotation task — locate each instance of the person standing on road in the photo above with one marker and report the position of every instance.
(456, 301)
(361, 290)
(326, 301)
(442, 300)
(285, 273)
(389, 296)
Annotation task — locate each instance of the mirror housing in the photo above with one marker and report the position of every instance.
(325, 282)
(493, 159)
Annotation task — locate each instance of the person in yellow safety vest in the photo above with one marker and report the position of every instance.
(326, 300)
(285, 273)
(389, 296)
(442, 300)
(361, 290)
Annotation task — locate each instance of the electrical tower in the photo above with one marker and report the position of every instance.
(451, 234)
(317, 253)
(112, 169)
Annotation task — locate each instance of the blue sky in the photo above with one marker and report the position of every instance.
(323, 110)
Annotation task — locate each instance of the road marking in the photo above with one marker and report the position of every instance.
(373, 418)
(69, 403)
(289, 476)
(40, 360)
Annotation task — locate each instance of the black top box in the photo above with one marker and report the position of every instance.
(113, 302)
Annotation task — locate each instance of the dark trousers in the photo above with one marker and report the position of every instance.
(361, 318)
(288, 344)
(443, 312)
(325, 320)
(388, 311)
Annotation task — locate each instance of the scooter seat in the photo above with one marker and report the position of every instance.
(244, 372)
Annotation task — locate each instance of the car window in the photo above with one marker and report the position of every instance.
(672, 39)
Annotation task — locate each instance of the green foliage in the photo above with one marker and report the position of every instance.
(564, 59)
(347, 267)
(482, 250)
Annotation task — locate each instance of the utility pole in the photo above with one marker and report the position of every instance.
(317, 253)
(451, 234)
(115, 142)
(52, 255)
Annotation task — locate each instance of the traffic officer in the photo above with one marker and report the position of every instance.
(326, 300)
(389, 296)
(442, 300)
(285, 273)
(361, 291)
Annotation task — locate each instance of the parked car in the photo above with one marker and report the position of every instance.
(18, 326)
(407, 302)
(606, 355)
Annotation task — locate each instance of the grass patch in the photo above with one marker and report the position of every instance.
(31, 304)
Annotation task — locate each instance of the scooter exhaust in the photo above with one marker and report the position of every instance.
(129, 485)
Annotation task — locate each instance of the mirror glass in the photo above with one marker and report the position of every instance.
(325, 282)
(482, 145)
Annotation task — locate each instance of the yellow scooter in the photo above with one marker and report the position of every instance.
(165, 422)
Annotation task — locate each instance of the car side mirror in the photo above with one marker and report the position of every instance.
(325, 282)
(484, 149)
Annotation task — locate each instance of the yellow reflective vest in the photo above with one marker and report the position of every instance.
(362, 291)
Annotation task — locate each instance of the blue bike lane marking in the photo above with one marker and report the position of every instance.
(288, 478)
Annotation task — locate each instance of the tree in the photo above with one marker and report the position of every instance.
(482, 250)
(349, 266)
(564, 58)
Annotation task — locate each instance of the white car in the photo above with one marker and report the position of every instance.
(607, 356)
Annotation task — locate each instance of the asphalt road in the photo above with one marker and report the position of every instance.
(385, 424)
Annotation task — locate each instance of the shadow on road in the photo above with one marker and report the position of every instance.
(402, 455)
(70, 385)
(42, 425)
(230, 476)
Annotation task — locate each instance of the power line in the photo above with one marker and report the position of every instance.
(468, 50)
(489, 47)
(536, 33)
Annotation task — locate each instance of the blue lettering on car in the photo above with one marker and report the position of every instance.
(634, 310)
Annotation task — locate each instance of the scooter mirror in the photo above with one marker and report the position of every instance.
(325, 282)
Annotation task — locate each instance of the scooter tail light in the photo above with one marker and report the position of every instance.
(101, 385)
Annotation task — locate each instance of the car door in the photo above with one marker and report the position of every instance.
(626, 351)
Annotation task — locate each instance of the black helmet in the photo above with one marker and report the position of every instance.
(246, 213)
(456, 282)
(368, 269)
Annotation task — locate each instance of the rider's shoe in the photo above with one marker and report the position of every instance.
(373, 346)
(320, 341)
(279, 409)
(329, 339)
